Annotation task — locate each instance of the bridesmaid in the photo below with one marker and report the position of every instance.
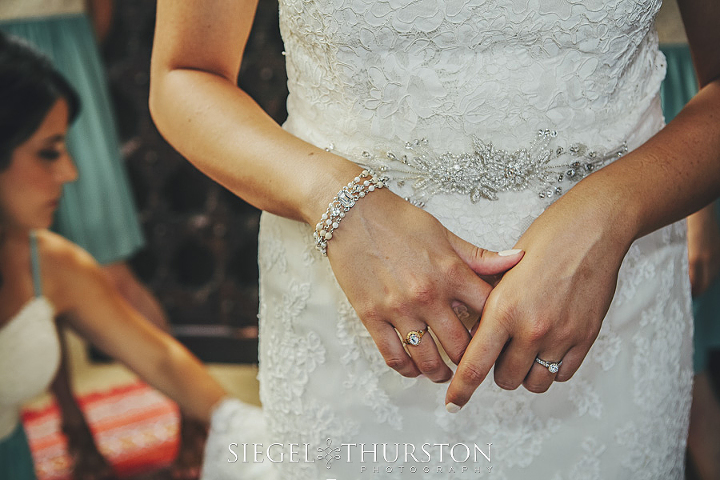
(42, 274)
(96, 212)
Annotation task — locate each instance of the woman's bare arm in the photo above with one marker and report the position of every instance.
(197, 106)
(102, 317)
(400, 268)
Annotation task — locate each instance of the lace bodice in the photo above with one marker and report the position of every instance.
(501, 70)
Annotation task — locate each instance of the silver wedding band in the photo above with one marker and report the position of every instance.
(553, 367)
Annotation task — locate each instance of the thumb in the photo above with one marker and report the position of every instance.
(485, 262)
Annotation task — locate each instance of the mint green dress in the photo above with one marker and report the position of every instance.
(678, 88)
(97, 211)
(16, 460)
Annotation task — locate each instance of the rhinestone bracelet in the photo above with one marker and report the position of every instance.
(346, 198)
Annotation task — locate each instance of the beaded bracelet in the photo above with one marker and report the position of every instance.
(346, 198)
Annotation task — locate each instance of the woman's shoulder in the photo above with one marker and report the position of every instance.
(57, 251)
(66, 268)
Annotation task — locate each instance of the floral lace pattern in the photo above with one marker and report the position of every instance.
(375, 72)
(507, 419)
(300, 354)
(652, 439)
(360, 351)
(492, 68)
(588, 468)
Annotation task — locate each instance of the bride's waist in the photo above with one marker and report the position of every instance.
(482, 164)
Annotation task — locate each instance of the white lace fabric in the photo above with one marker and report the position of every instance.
(446, 70)
(364, 73)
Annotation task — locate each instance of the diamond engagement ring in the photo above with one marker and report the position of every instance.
(553, 367)
(413, 337)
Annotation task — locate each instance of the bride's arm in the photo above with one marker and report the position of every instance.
(398, 266)
(198, 108)
(552, 304)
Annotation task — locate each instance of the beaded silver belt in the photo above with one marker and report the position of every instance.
(487, 170)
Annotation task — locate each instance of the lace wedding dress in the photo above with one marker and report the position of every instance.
(482, 112)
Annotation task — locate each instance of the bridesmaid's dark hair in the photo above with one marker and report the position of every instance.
(29, 87)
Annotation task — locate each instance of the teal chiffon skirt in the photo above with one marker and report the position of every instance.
(97, 211)
(16, 462)
(678, 88)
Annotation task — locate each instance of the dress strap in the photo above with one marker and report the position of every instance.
(35, 259)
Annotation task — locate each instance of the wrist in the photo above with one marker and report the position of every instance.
(611, 207)
(366, 182)
(323, 186)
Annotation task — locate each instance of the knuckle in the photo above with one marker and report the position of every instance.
(422, 293)
(589, 335)
(535, 387)
(397, 306)
(505, 384)
(564, 376)
(368, 313)
(456, 270)
(396, 362)
(481, 253)
(429, 365)
(537, 330)
(456, 354)
(502, 309)
(564, 336)
(471, 374)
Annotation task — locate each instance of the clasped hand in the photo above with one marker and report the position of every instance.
(403, 271)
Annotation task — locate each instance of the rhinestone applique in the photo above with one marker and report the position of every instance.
(487, 170)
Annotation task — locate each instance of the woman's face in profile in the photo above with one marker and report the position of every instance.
(31, 186)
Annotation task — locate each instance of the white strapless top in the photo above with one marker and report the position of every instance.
(29, 359)
(17, 9)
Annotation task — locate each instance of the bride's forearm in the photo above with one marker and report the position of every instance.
(677, 171)
(673, 174)
(225, 134)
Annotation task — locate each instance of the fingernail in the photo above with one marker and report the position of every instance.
(507, 253)
(452, 408)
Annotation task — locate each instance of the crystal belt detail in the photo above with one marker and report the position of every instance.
(487, 170)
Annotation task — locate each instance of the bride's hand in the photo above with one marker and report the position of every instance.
(402, 270)
(551, 305)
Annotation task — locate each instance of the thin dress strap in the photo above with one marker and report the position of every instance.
(35, 259)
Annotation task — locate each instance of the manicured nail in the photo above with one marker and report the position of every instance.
(507, 253)
(452, 408)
